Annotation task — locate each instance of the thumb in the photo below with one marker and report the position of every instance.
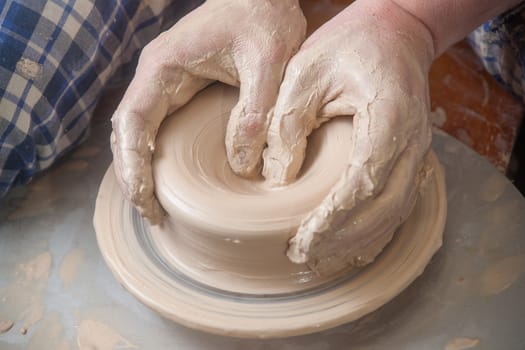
(295, 116)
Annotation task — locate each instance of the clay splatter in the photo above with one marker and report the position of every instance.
(70, 264)
(97, 335)
(502, 274)
(461, 343)
(29, 69)
(5, 326)
(492, 188)
(438, 117)
(37, 268)
(25, 294)
(49, 334)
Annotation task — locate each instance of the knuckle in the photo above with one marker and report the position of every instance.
(150, 51)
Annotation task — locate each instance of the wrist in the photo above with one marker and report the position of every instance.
(449, 21)
(396, 24)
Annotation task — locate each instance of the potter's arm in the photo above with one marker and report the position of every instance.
(449, 21)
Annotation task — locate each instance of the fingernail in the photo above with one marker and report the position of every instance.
(244, 163)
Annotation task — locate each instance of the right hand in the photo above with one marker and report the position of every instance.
(240, 43)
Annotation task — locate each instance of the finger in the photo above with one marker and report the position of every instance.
(248, 123)
(381, 133)
(295, 116)
(153, 92)
(260, 60)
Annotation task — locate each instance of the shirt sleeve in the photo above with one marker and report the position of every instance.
(56, 58)
(500, 43)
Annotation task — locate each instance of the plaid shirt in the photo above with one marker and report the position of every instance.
(56, 56)
(500, 43)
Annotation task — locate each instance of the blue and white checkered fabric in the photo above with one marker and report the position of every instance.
(500, 43)
(56, 56)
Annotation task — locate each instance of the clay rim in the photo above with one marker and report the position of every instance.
(248, 318)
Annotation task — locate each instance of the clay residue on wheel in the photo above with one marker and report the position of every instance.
(22, 299)
(93, 334)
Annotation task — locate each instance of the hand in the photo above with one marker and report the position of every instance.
(246, 43)
(371, 61)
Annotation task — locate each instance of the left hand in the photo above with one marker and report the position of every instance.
(245, 43)
(371, 61)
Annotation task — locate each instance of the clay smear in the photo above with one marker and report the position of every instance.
(69, 267)
(493, 188)
(461, 343)
(36, 269)
(22, 299)
(501, 275)
(28, 68)
(5, 326)
(49, 334)
(97, 335)
(438, 117)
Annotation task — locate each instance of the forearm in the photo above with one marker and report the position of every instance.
(451, 20)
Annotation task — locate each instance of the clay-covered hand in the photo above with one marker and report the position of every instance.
(369, 62)
(238, 42)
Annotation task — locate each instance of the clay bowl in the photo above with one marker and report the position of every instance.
(218, 262)
(229, 232)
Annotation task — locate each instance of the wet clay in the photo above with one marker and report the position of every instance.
(70, 264)
(493, 188)
(502, 274)
(219, 263)
(36, 268)
(97, 335)
(50, 334)
(5, 325)
(220, 224)
(461, 343)
(23, 298)
(247, 223)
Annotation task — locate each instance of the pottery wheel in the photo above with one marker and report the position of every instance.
(207, 289)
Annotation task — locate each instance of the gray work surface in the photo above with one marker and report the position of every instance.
(461, 294)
